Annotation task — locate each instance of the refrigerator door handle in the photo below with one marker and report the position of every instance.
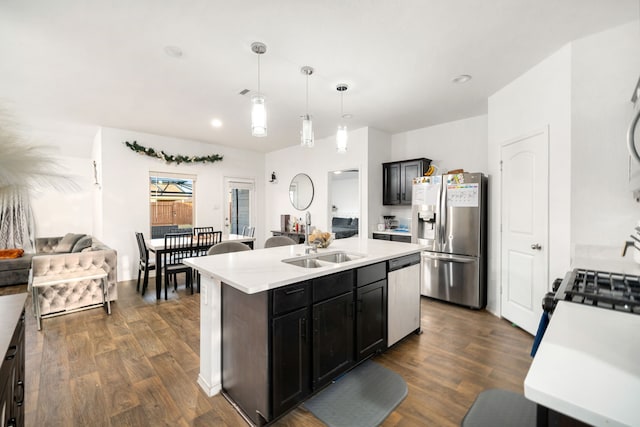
(450, 258)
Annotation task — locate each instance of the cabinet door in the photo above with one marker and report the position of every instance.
(403, 239)
(391, 184)
(371, 319)
(332, 338)
(408, 171)
(18, 379)
(290, 360)
(381, 236)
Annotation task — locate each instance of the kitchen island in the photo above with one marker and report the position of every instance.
(249, 282)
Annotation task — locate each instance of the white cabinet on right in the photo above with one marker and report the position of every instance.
(403, 316)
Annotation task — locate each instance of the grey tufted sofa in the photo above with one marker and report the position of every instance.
(46, 262)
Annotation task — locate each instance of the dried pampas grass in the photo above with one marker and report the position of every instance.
(26, 166)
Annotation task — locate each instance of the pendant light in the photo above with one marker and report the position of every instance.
(341, 135)
(306, 135)
(258, 110)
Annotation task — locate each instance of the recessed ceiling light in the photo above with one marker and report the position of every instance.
(337, 172)
(173, 51)
(462, 78)
(216, 123)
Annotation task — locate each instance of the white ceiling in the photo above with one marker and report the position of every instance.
(102, 62)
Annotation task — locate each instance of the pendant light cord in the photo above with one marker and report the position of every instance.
(307, 94)
(258, 75)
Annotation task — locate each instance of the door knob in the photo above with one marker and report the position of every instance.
(536, 246)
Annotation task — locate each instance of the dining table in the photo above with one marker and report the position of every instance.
(157, 246)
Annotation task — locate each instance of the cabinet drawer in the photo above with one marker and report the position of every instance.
(290, 298)
(371, 273)
(403, 239)
(381, 236)
(331, 286)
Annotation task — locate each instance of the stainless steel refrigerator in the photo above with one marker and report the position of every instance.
(449, 216)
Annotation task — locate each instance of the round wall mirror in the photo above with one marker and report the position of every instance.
(301, 191)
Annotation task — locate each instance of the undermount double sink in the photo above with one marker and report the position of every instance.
(322, 260)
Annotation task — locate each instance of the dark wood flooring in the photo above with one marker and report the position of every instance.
(138, 367)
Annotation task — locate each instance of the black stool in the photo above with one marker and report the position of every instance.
(495, 407)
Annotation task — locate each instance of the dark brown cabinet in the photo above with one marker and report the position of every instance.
(392, 237)
(290, 360)
(371, 310)
(280, 346)
(332, 338)
(12, 387)
(371, 319)
(397, 180)
(332, 352)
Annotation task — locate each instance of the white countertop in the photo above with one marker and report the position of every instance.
(262, 269)
(587, 365)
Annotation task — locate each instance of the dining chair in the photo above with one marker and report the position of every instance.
(248, 231)
(226, 247)
(198, 230)
(144, 264)
(205, 240)
(178, 247)
(275, 241)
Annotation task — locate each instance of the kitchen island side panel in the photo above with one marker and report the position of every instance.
(245, 342)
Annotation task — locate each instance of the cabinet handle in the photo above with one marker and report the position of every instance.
(11, 353)
(20, 401)
(294, 291)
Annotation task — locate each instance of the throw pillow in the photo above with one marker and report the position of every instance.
(67, 242)
(11, 253)
(82, 243)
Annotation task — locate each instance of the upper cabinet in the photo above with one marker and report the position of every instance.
(397, 180)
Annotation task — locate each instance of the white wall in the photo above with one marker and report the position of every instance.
(539, 98)
(461, 144)
(125, 186)
(316, 162)
(378, 152)
(605, 67)
(57, 213)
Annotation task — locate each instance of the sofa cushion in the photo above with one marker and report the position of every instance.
(340, 222)
(67, 242)
(83, 243)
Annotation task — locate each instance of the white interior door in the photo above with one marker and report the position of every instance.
(525, 222)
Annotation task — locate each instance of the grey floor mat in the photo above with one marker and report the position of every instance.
(363, 397)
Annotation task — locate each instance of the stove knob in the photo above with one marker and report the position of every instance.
(549, 302)
(556, 284)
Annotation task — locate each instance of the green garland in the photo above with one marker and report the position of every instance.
(169, 158)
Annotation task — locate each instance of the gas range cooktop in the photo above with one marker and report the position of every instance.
(615, 291)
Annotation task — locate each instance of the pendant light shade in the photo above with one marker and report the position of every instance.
(258, 109)
(341, 135)
(306, 134)
(258, 116)
(341, 139)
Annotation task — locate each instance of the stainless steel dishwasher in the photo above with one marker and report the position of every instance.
(403, 316)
